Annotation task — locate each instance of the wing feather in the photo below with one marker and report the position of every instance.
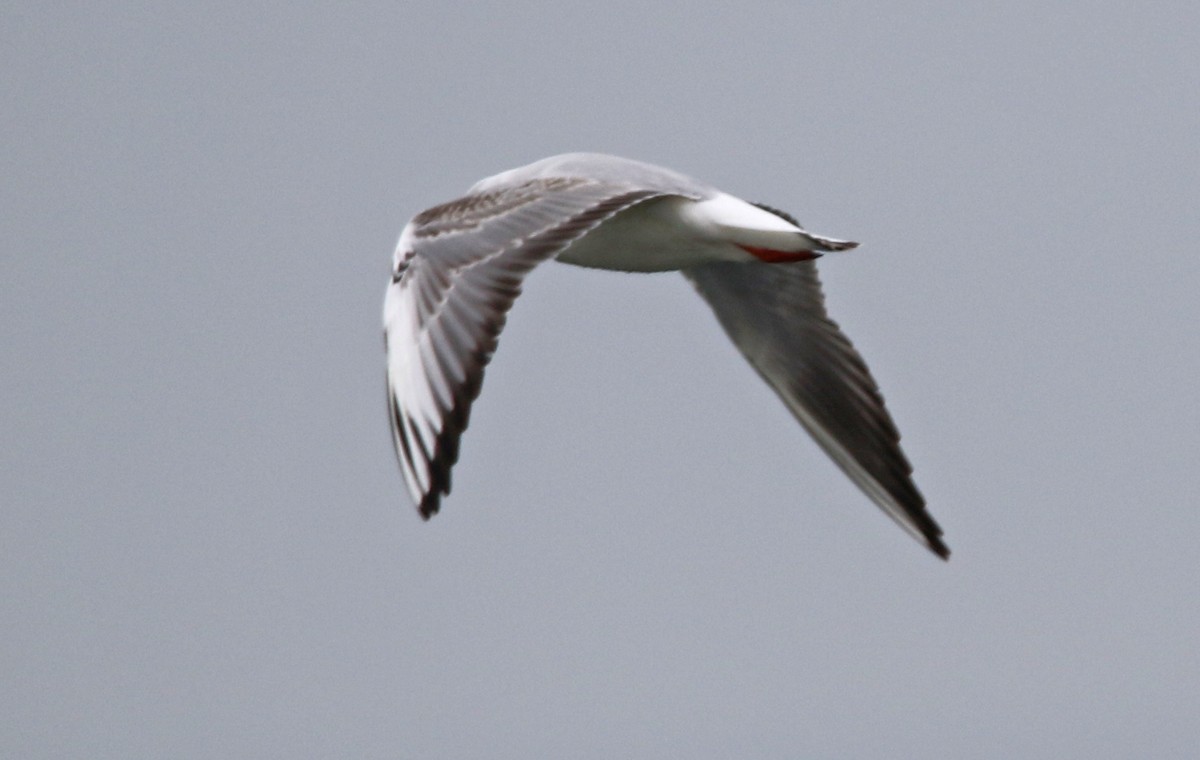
(458, 268)
(775, 314)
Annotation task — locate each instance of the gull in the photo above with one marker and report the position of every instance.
(459, 266)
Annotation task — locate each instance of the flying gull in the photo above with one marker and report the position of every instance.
(458, 268)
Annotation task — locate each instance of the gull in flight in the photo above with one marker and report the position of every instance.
(458, 268)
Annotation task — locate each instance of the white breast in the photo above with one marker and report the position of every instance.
(657, 236)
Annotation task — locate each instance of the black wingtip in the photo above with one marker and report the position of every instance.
(429, 507)
(937, 547)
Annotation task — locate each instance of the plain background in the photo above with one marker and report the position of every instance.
(206, 549)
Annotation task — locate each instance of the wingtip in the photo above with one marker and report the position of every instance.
(940, 549)
(428, 508)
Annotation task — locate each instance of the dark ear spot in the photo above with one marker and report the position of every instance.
(402, 267)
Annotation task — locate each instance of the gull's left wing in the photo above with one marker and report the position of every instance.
(457, 269)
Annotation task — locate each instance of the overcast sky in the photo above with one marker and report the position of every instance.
(205, 546)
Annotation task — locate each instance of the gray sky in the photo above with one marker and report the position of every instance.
(206, 549)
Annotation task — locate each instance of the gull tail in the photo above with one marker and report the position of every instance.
(823, 244)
